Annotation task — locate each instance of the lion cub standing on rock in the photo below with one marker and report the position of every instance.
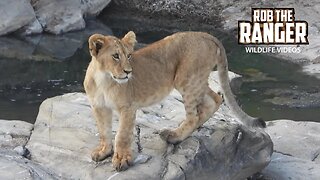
(121, 80)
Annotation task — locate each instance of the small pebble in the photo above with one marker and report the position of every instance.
(141, 159)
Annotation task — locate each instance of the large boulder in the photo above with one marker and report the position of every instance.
(65, 133)
(48, 47)
(14, 15)
(63, 16)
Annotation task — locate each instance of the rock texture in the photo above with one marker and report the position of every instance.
(13, 163)
(14, 133)
(297, 149)
(14, 15)
(15, 166)
(63, 16)
(296, 146)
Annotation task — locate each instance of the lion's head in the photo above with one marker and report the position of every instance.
(113, 54)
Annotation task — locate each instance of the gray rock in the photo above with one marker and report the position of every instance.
(14, 133)
(297, 139)
(65, 133)
(14, 15)
(296, 150)
(286, 167)
(63, 16)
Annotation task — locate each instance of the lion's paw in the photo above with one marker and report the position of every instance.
(170, 136)
(122, 159)
(101, 152)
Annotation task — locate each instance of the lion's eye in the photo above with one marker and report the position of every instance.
(116, 56)
(129, 56)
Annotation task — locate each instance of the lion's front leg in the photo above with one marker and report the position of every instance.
(122, 156)
(103, 118)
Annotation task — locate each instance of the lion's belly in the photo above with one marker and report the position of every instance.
(153, 97)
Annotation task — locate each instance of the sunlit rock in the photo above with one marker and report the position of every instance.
(63, 16)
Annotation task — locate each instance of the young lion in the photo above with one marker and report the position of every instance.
(122, 80)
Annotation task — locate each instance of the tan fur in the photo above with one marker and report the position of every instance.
(182, 61)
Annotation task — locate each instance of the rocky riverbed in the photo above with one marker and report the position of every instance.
(58, 145)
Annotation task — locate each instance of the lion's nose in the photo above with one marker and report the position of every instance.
(127, 71)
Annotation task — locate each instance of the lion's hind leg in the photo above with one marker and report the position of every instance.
(209, 105)
(193, 94)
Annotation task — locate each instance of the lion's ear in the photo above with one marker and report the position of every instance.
(130, 39)
(96, 42)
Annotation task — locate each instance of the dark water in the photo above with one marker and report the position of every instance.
(25, 83)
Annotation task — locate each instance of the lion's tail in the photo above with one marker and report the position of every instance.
(222, 65)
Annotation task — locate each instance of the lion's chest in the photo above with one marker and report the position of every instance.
(102, 98)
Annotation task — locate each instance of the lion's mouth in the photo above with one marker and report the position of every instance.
(121, 80)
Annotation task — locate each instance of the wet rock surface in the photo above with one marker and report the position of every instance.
(294, 98)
